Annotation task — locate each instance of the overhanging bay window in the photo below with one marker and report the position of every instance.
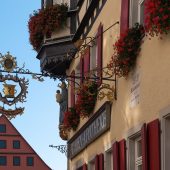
(57, 51)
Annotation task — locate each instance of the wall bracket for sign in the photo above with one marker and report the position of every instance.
(61, 148)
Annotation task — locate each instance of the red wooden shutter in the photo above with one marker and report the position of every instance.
(122, 155)
(85, 167)
(101, 161)
(154, 145)
(86, 61)
(72, 88)
(115, 151)
(144, 148)
(97, 162)
(81, 70)
(124, 20)
(99, 53)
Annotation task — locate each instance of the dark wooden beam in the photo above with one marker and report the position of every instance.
(88, 15)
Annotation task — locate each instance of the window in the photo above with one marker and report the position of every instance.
(30, 161)
(3, 160)
(16, 144)
(48, 3)
(93, 57)
(136, 12)
(77, 73)
(2, 144)
(2, 128)
(135, 152)
(138, 154)
(109, 159)
(166, 141)
(91, 165)
(16, 161)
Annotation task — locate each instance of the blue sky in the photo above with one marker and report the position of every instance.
(39, 123)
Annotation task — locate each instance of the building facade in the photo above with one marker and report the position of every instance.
(15, 152)
(128, 128)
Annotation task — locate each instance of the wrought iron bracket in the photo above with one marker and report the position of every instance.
(60, 148)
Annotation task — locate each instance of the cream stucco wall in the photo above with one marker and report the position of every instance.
(153, 67)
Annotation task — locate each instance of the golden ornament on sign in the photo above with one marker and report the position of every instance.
(8, 62)
(9, 90)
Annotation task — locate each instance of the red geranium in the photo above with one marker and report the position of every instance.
(86, 98)
(157, 20)
(71, 119)
(44, 22)
(126, 50)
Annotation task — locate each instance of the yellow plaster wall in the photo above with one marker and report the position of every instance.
(82, 10)
(153, 65)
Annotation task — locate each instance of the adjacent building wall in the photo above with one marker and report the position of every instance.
(151, 75)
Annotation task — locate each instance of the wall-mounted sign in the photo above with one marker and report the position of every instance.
(135, 89)
(96, 126)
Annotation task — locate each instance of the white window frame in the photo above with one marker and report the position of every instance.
(138, 160)
(91, 164)
(108, 163)
(77, 73)
(138, 12)
(165, 137)
(93, 59)
(78, 164)
(93, 51)
(133, 136)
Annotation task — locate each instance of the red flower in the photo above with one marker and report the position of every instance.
(86, 99)
(158, 17)
(127, 48)
(43, 22)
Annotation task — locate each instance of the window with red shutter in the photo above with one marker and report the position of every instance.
(115, 149)
(99, 53)
(144, 148)
(132, 12)
(86, 58)
(72, 89)
(97, 162)
(153, 132)
(122, 154)
(81, 70)
(165, 140)
(124, 17)
(85, 167)
(101, 161)
(135, 150)
(119, 155)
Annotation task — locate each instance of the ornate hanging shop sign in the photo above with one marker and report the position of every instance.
(13, 89)
(96, 126)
